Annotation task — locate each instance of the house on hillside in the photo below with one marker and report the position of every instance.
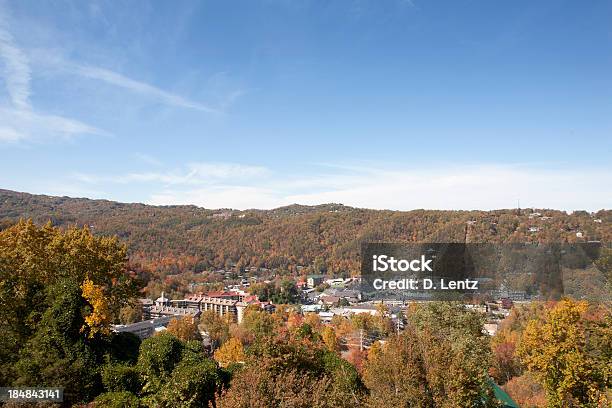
(312, 281)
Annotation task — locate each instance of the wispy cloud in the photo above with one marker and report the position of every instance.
(56, 63)
(468, 187)
(136, 86)
(19, 125)
(223, 196)
(10, 135)
(192, 174)
(148, 159)
(20, 122)
(16, 72)
(444, 187)
(409, 3)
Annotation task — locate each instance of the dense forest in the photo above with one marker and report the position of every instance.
(176, 239)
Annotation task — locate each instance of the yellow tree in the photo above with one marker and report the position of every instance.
(342, 326)
(374, 351)
(330, 339)
(313, 320)
(184, 329)
(131, 313)
(99, 318)
(48, 278)
(230, 352)
(395, 374)
(33, 257)
(363, 321)
(384, 325)
(216, 326)
(570, 352)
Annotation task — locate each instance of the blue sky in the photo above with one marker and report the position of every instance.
(256, 104)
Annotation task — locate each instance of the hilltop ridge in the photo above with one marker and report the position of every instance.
(181, 238)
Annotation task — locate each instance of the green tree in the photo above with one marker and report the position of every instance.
(58, 352)
(192, 384)
(33, 258)
(121, 377)
(258, 322)
(290, 371)
(441, 359)
(286, 293)
(117, 399)
(124, 347)
(158, 357)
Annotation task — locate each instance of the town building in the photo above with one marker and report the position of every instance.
(164, 307)
(312, 281)
(146, 328)
(337, 282)
(353, 296)
(172, 311)
(227, 304)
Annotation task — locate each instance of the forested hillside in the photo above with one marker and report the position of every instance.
(175, 239)
(62, 289)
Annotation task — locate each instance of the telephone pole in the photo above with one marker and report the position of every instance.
(360, 339)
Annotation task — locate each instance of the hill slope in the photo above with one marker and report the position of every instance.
(174, 239)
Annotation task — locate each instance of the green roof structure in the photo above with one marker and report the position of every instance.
(503, 397)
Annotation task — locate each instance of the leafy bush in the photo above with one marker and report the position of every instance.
(120, 399)
(120, 377)
(158, 357)
(192, 384)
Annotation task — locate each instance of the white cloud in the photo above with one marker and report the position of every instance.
(20, 122)
(240, 197)
(226, 170)
(451, 187)
(471, 187)
(191, 174)
(148, 159)
(224, 91)
(16, 72)
(10, 135)
(133, 85)
(25, 124)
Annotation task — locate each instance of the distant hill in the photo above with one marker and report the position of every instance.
(174, 239)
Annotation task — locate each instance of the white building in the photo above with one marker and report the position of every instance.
(146, 328)
(490, 328)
